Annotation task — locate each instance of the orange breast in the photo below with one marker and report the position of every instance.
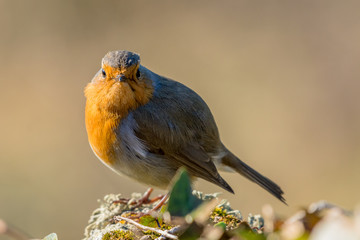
(102, 117)
(107, 103)
(101, 133)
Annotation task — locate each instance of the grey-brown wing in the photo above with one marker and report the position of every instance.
(178, 126)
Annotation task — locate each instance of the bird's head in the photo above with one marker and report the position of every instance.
(122, 66)
(120, 81)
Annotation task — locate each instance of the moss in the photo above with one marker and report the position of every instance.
(155, 235)
(152, 234)
(220, 215)
(118, 234)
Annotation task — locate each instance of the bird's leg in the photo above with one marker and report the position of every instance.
(154, 209)
(152, 212)
(145, 199)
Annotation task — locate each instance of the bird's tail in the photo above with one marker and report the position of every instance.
(232, 161)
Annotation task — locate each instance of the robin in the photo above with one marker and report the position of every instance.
(146, 127)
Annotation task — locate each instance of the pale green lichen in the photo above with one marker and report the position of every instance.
(256, 222)
(102, 225)
(101, 221)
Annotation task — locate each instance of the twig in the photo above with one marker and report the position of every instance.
(173, 230)
(146, 228)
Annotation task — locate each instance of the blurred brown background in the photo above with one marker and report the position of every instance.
(281, 78)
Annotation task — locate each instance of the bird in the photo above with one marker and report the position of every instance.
(146, 126)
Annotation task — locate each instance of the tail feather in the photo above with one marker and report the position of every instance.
(232, 161)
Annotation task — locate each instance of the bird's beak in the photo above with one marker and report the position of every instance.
(121, 78)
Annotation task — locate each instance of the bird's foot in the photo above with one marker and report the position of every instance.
(138, 214)
(152, 212)
(145, 199)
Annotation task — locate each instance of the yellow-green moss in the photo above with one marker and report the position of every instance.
(118, 235)
(155, 235)
(152, 234)
(220, 215)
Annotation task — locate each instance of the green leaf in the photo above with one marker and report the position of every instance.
(51, 236)
(192, 232)
(305, 236)
(148, 221)
(202, 213)
(221, 225)
(252, 236)
(198, 219)
(244, 231)
(181, 200)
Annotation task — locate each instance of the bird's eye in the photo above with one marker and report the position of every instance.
(103, 73)
(138, 73)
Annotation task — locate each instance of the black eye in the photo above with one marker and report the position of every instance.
(103, 73)
(138, 73)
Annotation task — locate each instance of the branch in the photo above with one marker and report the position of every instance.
(164, 233)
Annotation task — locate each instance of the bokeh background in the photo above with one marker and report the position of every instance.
(282, 79)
